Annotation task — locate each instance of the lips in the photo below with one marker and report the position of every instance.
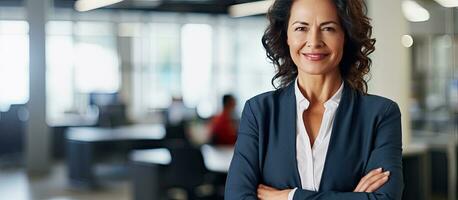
(315, 56)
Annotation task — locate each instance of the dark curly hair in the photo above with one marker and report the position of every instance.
(355, 63)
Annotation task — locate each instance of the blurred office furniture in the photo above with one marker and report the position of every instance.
(177, 112)
(147, 169)
(443, 164)
(217, 158)
(113, 115)
(200, 173)
(187, 172)
(415, 161)
(111, 110)
(100, 98)
(177, 134)
(176, 131)
(58, 128)
(12, 133)
(88, 146)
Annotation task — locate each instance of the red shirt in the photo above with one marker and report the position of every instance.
(223, 129)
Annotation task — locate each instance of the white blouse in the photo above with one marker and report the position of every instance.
(311, 159)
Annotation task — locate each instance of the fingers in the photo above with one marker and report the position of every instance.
(260, 191)
(377, 184)
(269, 193)
(265, 187)
(265, 192)
(364, 179)
(371, 174)
(370, 181)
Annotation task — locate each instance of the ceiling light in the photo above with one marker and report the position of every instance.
(414, 12)
(86, 5)
(249, 9)
(407, 41)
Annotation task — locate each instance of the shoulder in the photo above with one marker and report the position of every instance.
(378, 104)
(262, 108)
(267, 99)
(262, 98)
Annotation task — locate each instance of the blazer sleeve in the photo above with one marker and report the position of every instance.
(244, 174)
(387, 153)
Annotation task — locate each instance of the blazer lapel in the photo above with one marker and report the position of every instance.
(287, 123)
(337, 144)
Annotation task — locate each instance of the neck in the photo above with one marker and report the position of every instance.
(319, 88)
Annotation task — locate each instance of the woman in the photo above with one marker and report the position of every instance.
(319, 135)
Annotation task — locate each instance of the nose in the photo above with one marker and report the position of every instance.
(314, 39)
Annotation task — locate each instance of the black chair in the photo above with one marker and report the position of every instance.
(112, 115)
(112, 111)
(187, 172)
(176, 131)
(176, 136)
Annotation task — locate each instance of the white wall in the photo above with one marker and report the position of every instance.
(391, 61)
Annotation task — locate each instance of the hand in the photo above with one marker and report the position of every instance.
(267, 193)
(372, 181)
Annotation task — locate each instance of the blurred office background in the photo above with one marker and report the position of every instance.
(88, 96)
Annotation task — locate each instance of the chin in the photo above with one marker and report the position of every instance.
(315, 70)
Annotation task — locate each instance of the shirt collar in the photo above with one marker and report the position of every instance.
(301, 101)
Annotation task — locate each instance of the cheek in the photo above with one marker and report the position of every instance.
(291, 42)
(337, 46)
(294, 41)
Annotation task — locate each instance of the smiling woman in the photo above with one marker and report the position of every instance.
(319, 135)
(352, 21)
(315, 41)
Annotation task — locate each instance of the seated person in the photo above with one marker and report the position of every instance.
(223, 127)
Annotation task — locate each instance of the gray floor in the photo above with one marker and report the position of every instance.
(16, 185)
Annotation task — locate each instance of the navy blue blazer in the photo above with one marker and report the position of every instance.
(366, 135)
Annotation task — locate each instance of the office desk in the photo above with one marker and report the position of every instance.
(85, 146)
(149, 170)
(217, 158)
(59, 127)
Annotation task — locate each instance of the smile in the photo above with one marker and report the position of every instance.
(315, 56)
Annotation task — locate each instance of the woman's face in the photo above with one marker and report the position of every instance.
(315, 36)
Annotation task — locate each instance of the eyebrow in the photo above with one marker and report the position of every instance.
(322, 24)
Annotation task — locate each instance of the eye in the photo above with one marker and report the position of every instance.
(301, 28)
(331, 29)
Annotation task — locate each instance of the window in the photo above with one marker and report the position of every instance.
(197, 67)
(59, 69)
(148, 58)
(156, 65)
(96, 60)
(14, 63)
(253, 68)
(81, 58)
